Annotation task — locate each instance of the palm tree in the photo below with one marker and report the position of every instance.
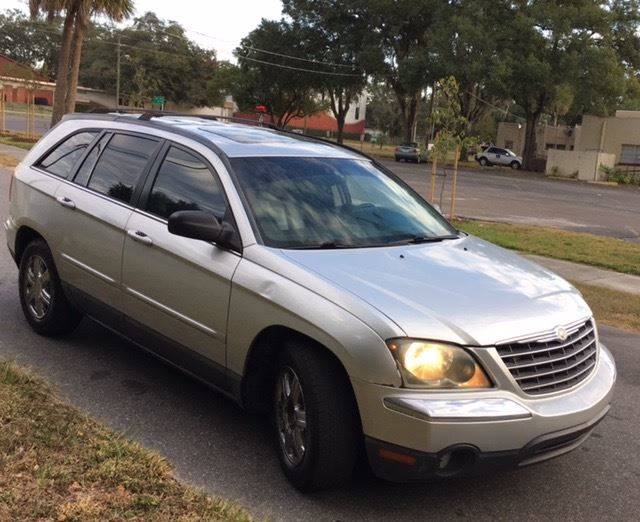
(76, 20)
(115, 10)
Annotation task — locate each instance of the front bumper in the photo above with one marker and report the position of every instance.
(413, 434)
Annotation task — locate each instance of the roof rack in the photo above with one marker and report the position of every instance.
(147, 114)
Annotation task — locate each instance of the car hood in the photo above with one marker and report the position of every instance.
(465, 290)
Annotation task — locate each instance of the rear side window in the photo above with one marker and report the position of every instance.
(185, 182)
(62, 160)
(90, 161)
(120, 166)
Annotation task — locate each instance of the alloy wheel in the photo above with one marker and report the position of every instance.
(38, 287)
(291, 417)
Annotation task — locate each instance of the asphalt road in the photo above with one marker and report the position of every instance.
(17, 122)
(216, 446)
(500, 194)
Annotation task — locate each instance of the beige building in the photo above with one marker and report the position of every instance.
(557, 137)
(611, 141)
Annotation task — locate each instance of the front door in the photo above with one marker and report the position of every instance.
(175, 286)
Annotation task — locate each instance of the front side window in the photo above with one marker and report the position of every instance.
(333, 203)
(120, 166)
(184, 182)
(61, 161)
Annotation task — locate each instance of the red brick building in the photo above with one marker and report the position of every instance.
(16, 80)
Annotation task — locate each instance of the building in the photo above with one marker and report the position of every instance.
(323, 123)
(548, 137)
(611, 142)
(17, 80)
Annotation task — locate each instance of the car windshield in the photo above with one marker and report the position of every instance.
(334, 203)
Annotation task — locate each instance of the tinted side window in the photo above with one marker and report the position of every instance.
(61, 160)
(121, 165)
(90, 161)
(184, 182)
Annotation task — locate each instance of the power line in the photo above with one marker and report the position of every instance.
(299, 68)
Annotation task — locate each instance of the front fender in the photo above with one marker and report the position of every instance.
(261, 298)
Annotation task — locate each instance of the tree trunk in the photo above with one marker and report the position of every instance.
(530, 140)
(60, 93)
(410, 119)
(340, 119)
(74, 64)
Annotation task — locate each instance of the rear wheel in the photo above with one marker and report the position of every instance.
(315, 419)
(483, 162)
(44, 304)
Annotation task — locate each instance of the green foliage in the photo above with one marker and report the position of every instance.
(622, 177)
(30, 42)
(285, 91)
(451, 124)
(157, 58)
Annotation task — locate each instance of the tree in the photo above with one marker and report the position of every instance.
(157, 58)
(334, 45)
(76, 19)
(33, 43)
(550, 46)
(286, 91)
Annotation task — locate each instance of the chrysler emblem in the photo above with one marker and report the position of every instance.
(561, 333)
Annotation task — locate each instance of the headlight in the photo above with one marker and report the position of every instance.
(435, 365)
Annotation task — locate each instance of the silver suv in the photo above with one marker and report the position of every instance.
(497, 156)
(305, 281)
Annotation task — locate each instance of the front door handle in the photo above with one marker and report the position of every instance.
(66, 202)
(140, 237)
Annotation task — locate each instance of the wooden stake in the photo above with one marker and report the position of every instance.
(454, 184)
(434, 170)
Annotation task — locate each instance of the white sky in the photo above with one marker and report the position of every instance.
(225, 22)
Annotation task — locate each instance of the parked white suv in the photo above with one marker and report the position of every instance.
(497, 156)
(305, 281)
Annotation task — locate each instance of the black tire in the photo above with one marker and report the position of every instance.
(397, 159)
(332, 431)
(60, 317)
(483, 162)
(515, 165)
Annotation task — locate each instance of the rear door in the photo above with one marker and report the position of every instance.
(94, 210)
(175, 286)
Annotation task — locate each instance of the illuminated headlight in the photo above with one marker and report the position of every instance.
(436, 365)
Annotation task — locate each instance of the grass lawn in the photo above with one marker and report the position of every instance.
(588, 249)
(16, 141)
(57, 464)
(613, 308)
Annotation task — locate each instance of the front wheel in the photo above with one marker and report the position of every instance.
(315, 419)
(44, 304)
(515, 165)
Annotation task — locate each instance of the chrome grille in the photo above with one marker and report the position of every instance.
(548, 364)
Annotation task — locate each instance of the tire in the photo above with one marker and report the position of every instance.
(483, 162)
(58, 316)
(515, 165)
(331, 434)
(397, 159)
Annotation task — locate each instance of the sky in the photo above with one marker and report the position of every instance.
(225, 22)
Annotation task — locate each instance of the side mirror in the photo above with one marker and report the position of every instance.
(195, 224)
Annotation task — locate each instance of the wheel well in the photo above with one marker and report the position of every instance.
(24, 236)
(260, 366)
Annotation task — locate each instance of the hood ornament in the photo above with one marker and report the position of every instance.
(561, 333)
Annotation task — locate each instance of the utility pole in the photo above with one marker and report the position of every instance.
(118, 74)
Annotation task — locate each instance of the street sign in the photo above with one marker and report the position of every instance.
(158, 100)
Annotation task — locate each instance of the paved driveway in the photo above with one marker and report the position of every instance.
(503, 195)
(214, 445)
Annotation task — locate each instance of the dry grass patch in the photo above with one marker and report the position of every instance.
(57, 464)
(589, 249)
(611, 307)
(6, 160)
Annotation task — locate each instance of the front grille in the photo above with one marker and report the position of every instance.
(548, 364)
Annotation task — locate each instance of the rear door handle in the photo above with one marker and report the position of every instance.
(66, 202)
(140, 237)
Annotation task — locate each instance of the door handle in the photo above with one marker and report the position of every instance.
(66, 202)
(140, 237)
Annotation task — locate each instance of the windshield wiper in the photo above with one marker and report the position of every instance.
(327, 245)
(417, 240)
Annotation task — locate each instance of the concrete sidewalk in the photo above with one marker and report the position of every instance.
(590, 275)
